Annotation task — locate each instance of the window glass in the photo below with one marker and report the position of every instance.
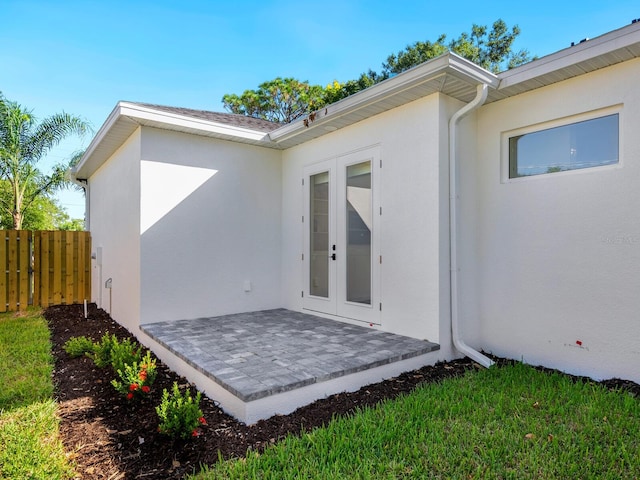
(590, 143)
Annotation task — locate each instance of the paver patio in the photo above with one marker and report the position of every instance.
(258, 354)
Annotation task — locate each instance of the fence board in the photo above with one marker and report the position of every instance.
(43, 276)
(44, 268)
(68, 267)
(3, 273)
(24, 268)
(56, 253)
(80, 270)
(12, 272)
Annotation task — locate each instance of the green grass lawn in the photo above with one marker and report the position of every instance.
(510, 422)
(29, 444)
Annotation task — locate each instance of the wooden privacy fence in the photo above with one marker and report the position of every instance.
(44, 268)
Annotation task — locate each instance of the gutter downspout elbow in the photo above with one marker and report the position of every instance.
(84, 184)
(458, 342)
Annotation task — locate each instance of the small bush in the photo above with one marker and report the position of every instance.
(111, 351)
(102, 350)
(136, 377)
(78, 346)
(124, 353)
(180, 414)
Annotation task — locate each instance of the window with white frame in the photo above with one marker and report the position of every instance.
(584, 144)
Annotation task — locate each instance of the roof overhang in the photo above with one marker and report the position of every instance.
(587, 56)
(448, 74)
(126, 117)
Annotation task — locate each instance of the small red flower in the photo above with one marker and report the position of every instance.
(202, 421)
(129, 396)
(133, 387)
(143, 375)
(146, 388)
(195, 433)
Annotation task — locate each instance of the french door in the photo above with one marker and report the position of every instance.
(341, 223)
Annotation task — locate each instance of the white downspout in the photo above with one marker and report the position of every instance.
(458, 342)
(84, 184)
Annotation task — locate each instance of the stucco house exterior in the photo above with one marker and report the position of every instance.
(482, 212)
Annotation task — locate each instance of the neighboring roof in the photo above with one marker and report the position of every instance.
(448, 74)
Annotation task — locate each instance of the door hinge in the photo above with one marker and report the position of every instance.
(302, 257)
(380, 259)
(380, 210)
(380, 163)
(380, 306)
(302, 218)
(302, 293)
(303, 182)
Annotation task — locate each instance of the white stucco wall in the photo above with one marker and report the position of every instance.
(410, 140)
(115, 231)
(209, 227)
(558, 255)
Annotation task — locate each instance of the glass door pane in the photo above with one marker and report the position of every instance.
(319, 235)
(359, 224)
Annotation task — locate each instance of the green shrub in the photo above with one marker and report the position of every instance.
(78, 346)
(111, 351)
(136, 378)
(124, 353)
(102, 350)
(180, 414)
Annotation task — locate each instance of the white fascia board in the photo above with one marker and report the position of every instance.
(97, 140)
(448, 63)
(136, 115)
(607, 43)
(139, 112)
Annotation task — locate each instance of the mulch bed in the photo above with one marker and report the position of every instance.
(108, 437)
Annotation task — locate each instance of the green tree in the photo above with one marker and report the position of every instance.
(337, 91)
(284, 100)
(45, 213)
(281, 100)
(491, 49)
(414, 55)
(23, 143)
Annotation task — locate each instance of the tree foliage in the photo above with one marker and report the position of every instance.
(284, 100)
(23, 143)
(45, 213)
(281, 100)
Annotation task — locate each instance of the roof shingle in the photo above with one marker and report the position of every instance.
(226, 118)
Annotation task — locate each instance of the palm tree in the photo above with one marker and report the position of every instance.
(23, 142)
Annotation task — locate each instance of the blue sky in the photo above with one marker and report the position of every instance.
(83, 57)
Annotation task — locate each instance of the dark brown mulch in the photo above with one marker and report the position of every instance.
(110, 438)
